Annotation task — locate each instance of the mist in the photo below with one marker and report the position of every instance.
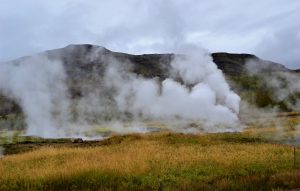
(278, 88)
(284, 85)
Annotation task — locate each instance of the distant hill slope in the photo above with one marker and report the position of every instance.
(82, 62)
(89, 55)
(235, 64)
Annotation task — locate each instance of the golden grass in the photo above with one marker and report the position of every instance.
(226, 161)
(199, 156)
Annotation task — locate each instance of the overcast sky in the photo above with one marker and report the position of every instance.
(267, 28)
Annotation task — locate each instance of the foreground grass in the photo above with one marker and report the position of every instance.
(158, 161)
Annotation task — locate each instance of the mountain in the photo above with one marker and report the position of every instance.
(86, 57)
(83, 62)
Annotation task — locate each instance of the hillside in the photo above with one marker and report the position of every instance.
(84, 65)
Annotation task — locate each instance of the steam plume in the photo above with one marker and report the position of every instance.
(37, 85)
(194, 93)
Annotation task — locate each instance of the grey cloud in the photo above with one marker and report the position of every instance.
(142, 26)
(282, 46)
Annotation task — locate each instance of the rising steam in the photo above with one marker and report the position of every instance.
(194, 98)
(37, 85)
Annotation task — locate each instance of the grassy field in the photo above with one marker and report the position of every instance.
(259, 158)
(157, 161)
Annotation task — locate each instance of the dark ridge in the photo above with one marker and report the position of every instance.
(89, 57)
(236, 64)
(232, 64)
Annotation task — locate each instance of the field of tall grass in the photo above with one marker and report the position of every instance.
(157, 161)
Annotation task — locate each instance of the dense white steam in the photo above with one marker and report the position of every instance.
(37, 85)
(122, 100)
(198, 68)
(209, 102)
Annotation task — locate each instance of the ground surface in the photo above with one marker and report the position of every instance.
(259, 158)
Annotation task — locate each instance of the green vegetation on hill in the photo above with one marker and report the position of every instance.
(256, 90)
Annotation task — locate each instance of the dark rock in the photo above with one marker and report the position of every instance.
(78, 140)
